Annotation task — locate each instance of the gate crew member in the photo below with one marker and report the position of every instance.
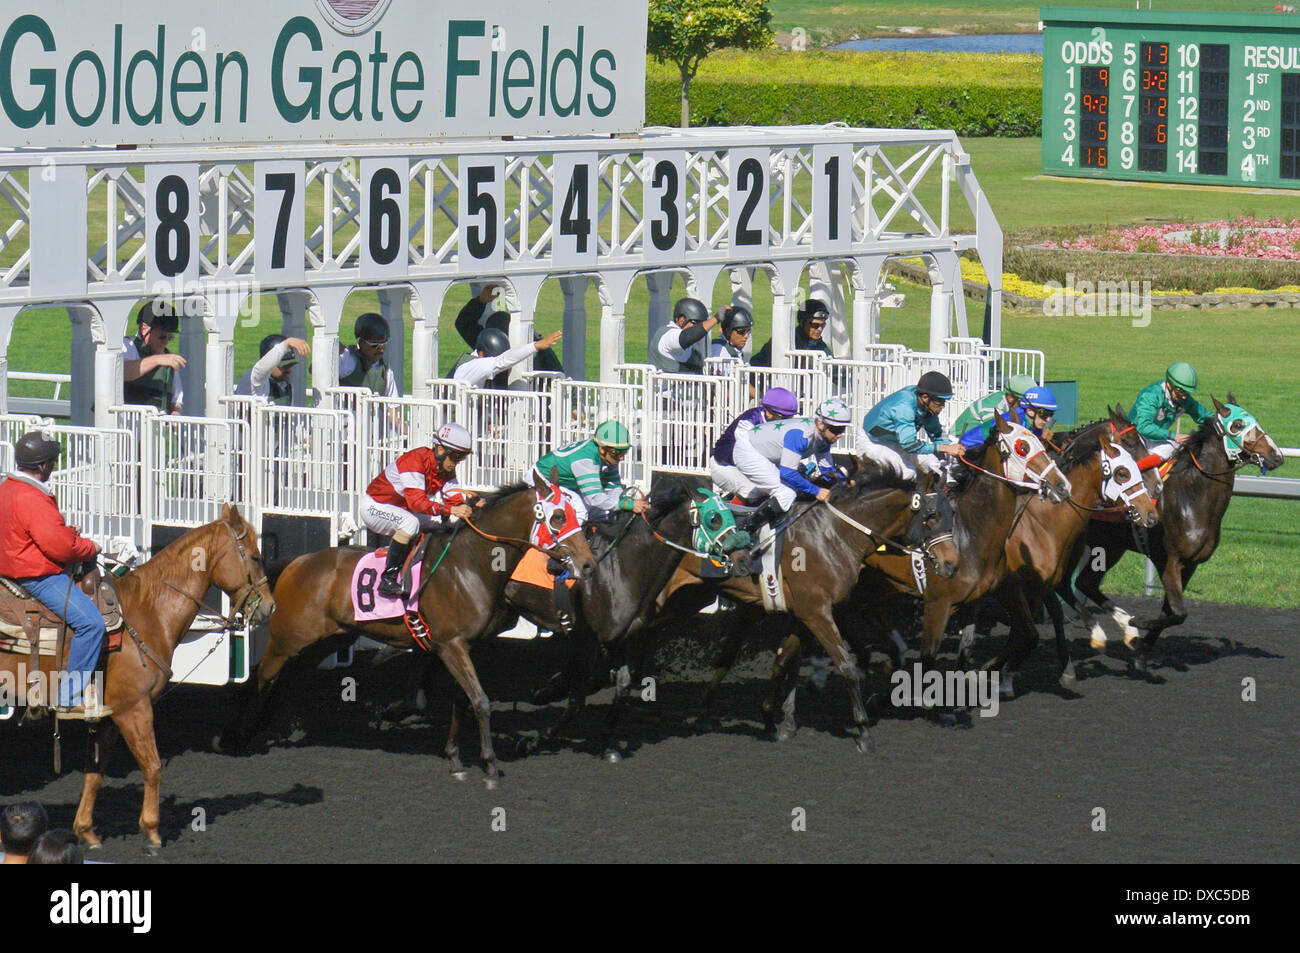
(1157, 409)
(474, 319)
(737, 326)
(811, 321)
(1002, 402)
(413, 493)
(35, 546)
(150, 375)
(269, 377)
(777, 404)
(492, 358)
(587, 473)
(680, 345)
(771, 455)
(902, 432)
(362, 364)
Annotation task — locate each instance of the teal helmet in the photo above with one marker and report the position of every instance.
(1018, 384)
(1182, 375)
(614, 435)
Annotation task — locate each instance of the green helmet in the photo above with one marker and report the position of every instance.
(613, 434)
(1017, 384)
(1183, 375)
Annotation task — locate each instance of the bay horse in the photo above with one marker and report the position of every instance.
(159, 601)
(1195, 496)
(462, 600)
(1103, 474)
(824, 546)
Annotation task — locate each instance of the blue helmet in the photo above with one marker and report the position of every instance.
(1040, 398)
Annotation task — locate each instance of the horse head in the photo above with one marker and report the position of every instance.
(557, 529)
(236, 564)
(1243, 437)
(1122, 482)
(1124, 432)
(931, 528)
(1025, 460)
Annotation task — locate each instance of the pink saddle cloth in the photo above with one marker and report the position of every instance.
(367, 603)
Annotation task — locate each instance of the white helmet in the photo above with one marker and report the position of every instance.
(834, 412)
(455, 438)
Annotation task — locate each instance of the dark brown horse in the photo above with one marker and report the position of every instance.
(159, 601)
(1195, 497)
(462, 600)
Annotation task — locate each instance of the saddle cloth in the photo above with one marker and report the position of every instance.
(532, 571)
(25, 622)
(368, 605)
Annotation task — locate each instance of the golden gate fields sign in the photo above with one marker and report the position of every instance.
(80, 73)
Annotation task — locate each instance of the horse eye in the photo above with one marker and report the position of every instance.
(557, 519)
(1237, 426)
(1122, 474)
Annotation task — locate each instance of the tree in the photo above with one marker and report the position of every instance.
(684, 32)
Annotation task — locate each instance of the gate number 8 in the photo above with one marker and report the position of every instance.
(172, 207)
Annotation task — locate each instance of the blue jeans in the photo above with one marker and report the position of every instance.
(58, 594)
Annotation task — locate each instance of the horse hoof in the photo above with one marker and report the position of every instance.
(1131, 635)
(707, 724)
(1068, 677)
(612, 757)
(1007, 689)
(785, 732)
(863, 743)
(152, 850)
(492, 783)
(1098, 645)
(461, 775)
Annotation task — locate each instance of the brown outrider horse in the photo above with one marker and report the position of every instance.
(462, 601)
(159, 601)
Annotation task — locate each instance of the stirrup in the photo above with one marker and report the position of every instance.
(392, 587)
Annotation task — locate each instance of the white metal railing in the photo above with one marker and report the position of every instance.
(56, 405)
(861, 385)
(97, 482)
(194, 465)
(510, 432)
(6, 456)
(683, 420)
(580, 406)
(967, 372)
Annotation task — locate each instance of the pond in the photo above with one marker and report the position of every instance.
(983, 43)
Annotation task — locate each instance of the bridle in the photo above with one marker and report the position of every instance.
(251, 599)
(539, 517)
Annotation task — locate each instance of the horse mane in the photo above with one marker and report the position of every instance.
(161, 566)
(491, 498)
(1081, 443)
(870, 480)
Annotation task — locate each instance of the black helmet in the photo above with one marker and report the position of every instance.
(271, 340)
(814, 308)
(492, 342)
(935, 384)
(370, 327)
(32, 449)
(736, 318)
(159, 314)
(692, 309)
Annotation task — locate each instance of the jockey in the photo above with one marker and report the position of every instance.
(902, 432)
(737, 326)
(1034, 410)
(1155, 412)
(770, 457)
(777, 403)
(679, 346)
(587, 473)
(412, 494)
(35, 547)
(999, 402)
(490, 362)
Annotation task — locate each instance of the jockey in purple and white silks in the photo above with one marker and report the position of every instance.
(771, 454)
(777, 404)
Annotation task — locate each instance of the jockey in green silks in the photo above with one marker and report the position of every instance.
(1156, 411)
(587, 473)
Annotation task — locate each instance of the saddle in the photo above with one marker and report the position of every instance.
(27, 627)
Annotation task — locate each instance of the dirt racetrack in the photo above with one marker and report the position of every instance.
(1185, 769)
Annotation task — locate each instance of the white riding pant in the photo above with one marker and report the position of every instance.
(1164, 450)
(763, 474)
(893, 457)
(729, 480)
(386, 519)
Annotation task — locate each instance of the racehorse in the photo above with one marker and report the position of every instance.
(824, 546)
(1195, 496)
(159, 601)
(461, 600)
(1103, 474)
(988, 506)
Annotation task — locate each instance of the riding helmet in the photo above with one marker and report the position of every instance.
(271, 340)
(491, 342)
(1040, 398)
(455, 438)
(692, 309)
(1182, 375)
(814, 308)
(614, 435)
(935, 384)
(781, 402)
(371, 327)
(737, 318)
(33, 449)
(1019, 384)
(158, 314)
(834, 412)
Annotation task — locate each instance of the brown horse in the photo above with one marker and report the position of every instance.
(159, 601)
(462, 600)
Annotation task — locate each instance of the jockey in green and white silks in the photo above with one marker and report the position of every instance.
(587, 473)
(902, 432)
(1156, 411)
(1001, 402)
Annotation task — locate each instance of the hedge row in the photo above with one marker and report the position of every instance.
(967, 110)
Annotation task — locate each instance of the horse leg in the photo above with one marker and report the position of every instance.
(96, 760)
(1053, 605)
(617, 654)
(782, 687)
(1089, 585)
(455, 655)
(732, 643)
(823, 628)
(452, 749)
(137, 728)
(1174, 577)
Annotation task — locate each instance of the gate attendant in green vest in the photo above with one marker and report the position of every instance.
(150, 375)
(362, 364)
(737, 326)
(587, 473)
(269, 377)
(488, 365)
(811, 321)
(680, 345)
(1003, 402)
(1156, 411)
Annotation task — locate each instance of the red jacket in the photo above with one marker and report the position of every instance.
(410, 481)
(34, 539)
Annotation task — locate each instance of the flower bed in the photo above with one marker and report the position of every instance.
(1270, 239)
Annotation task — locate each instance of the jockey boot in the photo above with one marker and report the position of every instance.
(769, 511)
(390, 583)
